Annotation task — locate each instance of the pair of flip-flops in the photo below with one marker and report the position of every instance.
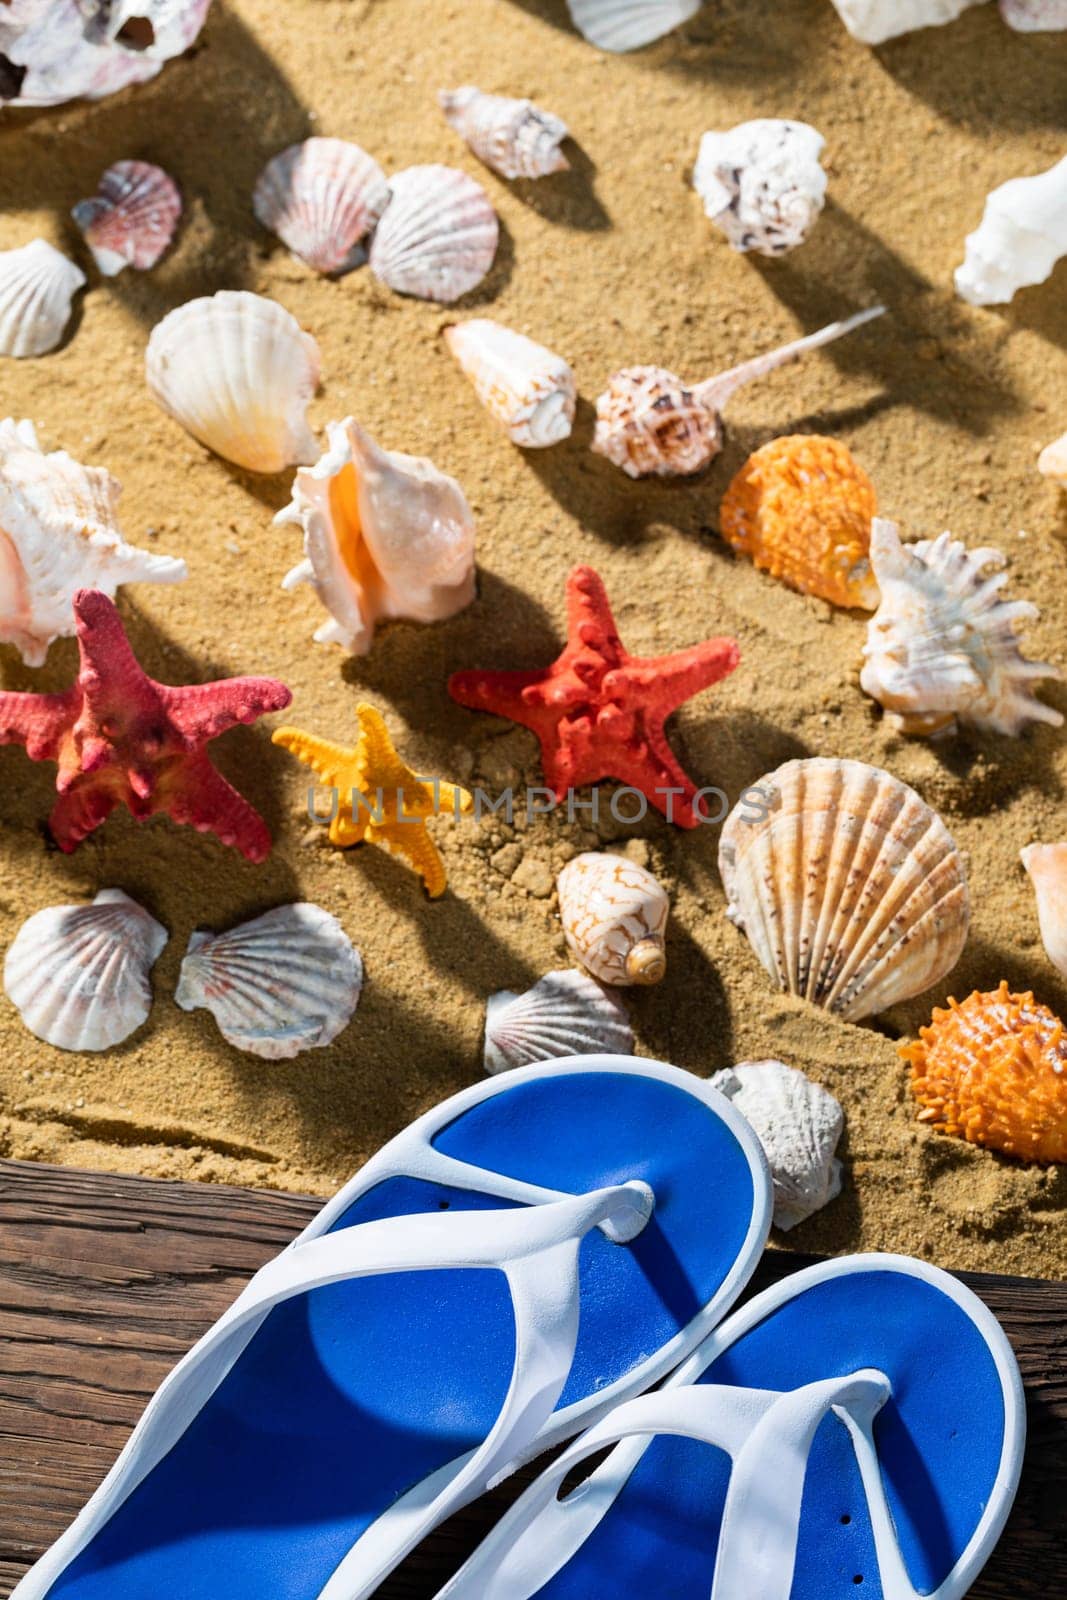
(519, 1265)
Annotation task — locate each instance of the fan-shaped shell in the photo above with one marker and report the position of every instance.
(848, 886)
(798, 1123)
(762, 184)
(530, 390)
(438, 237)
(1022, 235)
(63, 49)
(1035, 16)
(1053, 461)
(1047, 866)
(513, 137)
(874, 21)
(132, 218)
(37, 289)
(614, 916)
(79, 974)
(238, 372)
(651, 425)
(322, 198)
(287, 981)
(620, 25)
(564, 1014)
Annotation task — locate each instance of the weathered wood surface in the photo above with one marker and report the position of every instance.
(105, 1282)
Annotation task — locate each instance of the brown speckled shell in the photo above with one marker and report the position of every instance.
(649, 424)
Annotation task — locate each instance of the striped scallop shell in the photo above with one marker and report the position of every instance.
(564, 1014)
(619, 25)
(529, 390)
(614, 916)
(438, 237)
(132, 218)
(37, 289)
(799, 1124)
(513, 137)
(1047, 866)
(322, 198)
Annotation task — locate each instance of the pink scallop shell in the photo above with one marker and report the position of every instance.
(321, 198)
(132, 218)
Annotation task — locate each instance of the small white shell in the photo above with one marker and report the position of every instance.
(799, 1124)
(132, 218)
(37, 289)
(620, 25)
(285, 982)
(1035, 16)
(564, 1014)
(79, 974)
(1047, 866)
(614, 916)
(762, 184)
(438, 237)
(529, 390)
(322, 198)
(513, 137)
(1053, 461)
(1023, 233)
(875, 21)
(238, 372)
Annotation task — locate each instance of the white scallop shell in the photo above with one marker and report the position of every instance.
(287, 981)
(762, 184)
(614, 916)
(875, 21)
(322, 198)
(238, 372)
(513, 137)
(62, 49)
(37, 289)
(385, 535)
(620, 25)
(438, 237)
(564, 1014)
(1022, 235)
(132, 218)
(529, 390)
(799, 1124)
(848, 886)
(1035, 16)
(79, 974)
(1053, 461)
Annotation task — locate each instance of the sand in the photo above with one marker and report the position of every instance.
(946, 408)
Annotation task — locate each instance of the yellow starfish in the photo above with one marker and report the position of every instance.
(379, 800)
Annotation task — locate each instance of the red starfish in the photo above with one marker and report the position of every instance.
(122, 739)
(599, 712)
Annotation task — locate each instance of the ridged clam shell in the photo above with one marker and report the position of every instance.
(614, 916)
(620, 25)
(529, 390)
(762, 184)
(237, 371)
(1022, 235)
(564, 1014)
(798, 1123)
(848, 886)
(438, 237)
(1053, 461)
(1035, 16)
(79, 974)
(1047, 866)
(513, 137)
(132, 218)
(874, 21)
(322, 198)
(60, 50)
(37, 289)
(285, 982)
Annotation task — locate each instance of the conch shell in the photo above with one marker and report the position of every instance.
(614, 916)
(799, 1124)
(529, 390)
(1047, 866)
(1022, 235)
(762, 184)
(619, 25)
(59, 50)
(875, 21)
(37, 289)
(513, 137)
(1053, 461)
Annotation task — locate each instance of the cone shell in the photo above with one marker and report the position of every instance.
(529, 390)
(79, 974)
(762, 184)
(132, 218)
(649, 424)
(565, 1014)
(619, 25)
(283, 983)
(848, 886)
(799, 1124)
(513, 137)
(614, 916)
(37, 289)
(1047, 866)
(322, 198)
(438, 237)
(1053, 461)
(237, 371)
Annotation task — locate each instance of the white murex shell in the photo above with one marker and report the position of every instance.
(528, 389)
(37, 289)
(438, 237)
(565, 1014)
(1047, 867)
(59, 50)
(59, 533)
(614, 916)
(237, 371)
(513, 137)
(79, 974)
(619, 25)
(322, 198)
(762, 184)
(287, 981)
(1052, 461)
(386, 535)
(875, 21)
(1022, 235)
(848, 886)
(799, 1124)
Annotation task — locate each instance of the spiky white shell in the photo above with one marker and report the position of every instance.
(513, 137)
(1053, 461)
(798, 1123)
(68, 48)
(285, 982)
(620, 25)
(385, 535)
(132, 218)
(322, 198)
(564, 1014)
(762, 184)
(37, 289)
(1047, 866)
(438, 237)
(1035, 16)
(848, 886)
(238, 372)
(1022, 235)
(614, 916)
(942, 647)
(528, 389)
(874, 21)
(79, 974)
(651, 425)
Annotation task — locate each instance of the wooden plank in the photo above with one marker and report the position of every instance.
(105, 1281)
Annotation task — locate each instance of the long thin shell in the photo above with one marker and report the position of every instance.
(37, 289)
(528, 389)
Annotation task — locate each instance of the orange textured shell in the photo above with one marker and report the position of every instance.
(802, 508)
(993, 1069)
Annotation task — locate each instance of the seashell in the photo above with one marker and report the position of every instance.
(799, 1124)
(79, 974)
(237, 371)
(1053, 461)
(1035, 16)
(438, 237)
(1022, 235)
(1047, 866)
(614, 916)
(620, 25)
(59, 533)
(802, 508)
(385, 535)
(992, 1069)
(564, 1014)
(37, 289)
(513, 137)
(287, 981)
(529, 390)
(322, 198)
(875, 21)
(650, 424)
(942, 647)
(132, 218)
(849, 888)
(762, 184)
(59, 50)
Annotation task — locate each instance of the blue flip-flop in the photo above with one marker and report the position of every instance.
(375, 1376)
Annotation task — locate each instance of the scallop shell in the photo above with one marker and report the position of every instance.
(875, 21)
(322, 198)
(1047, 866)
(438, 237)
(287, 981)
(59, 533)
(849, 888)
(762, 184)
(1035, 16)
(59, 50)
(799, 1124)
(1023, 233)
(37, 289)
(992, 1069)
(237, 371)
(79, 974)
(1053, 461)
(132, 218)
(564, 1014)
(513, 137)
(942, 647)
(620, 25)
(385, 535)
(614, 916)
(529, 390)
